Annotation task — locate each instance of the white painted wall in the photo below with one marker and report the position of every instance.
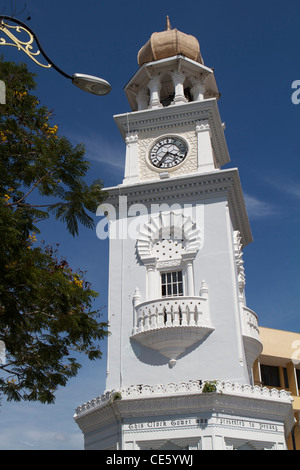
(221, 354)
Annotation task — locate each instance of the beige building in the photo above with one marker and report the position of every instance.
(279, 367)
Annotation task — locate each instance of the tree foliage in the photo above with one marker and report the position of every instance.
(46, 308)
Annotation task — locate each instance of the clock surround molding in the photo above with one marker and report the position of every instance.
(189, 165)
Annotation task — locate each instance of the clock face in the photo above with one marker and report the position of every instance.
(168, 152)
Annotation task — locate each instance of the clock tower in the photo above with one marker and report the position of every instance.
(183, 340)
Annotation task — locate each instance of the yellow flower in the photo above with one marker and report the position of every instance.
(32, 238)
(78, 281)
(20, 95)
(50, 131)
(12, 264)
(3, 137)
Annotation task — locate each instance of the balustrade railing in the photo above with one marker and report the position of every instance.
(171, 312)
(250, 323)
(193, 387)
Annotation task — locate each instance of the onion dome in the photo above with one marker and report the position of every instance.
(169, 43)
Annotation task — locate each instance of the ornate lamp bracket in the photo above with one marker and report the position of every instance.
(94, 85)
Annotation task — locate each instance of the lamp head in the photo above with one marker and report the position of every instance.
(94, 85)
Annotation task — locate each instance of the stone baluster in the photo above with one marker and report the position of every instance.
(176, 319)
(198, 315)
(147, 319)
(140, 320)
(192, 319)
(153, 318)
(169, 315)
(184, 311)
(160, 317)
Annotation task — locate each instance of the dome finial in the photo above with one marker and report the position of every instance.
(168, 24)
(169, 43)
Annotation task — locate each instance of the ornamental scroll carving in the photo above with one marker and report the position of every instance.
(239, 262)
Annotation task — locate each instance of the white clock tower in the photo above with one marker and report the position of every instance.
(183, 341)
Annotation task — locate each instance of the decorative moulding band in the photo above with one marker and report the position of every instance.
(193, 387)
(191, 189)
(173, 117)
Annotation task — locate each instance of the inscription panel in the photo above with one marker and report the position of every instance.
(166, 424)
(203, 422)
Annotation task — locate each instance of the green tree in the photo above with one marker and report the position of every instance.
(46, 308)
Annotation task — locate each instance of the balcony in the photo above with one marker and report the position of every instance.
(250, 331)
(171, 325)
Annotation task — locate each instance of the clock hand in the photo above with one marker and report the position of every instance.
(163, 158)
(168, 154)
(174, 153)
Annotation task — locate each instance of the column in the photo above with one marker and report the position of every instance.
(178, 79)
(190, 291)
(136, 300)
(292, 378)
(154, 86)
(256, 373)
(151, 278)
(142, 99)
(190, 278)
(198, 91)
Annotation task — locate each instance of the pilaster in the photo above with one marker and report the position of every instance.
(205, 151)
(131, 173)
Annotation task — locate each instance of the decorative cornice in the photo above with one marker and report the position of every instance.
(187, 189)
(186, 388)
(145, 400)
(176, 117)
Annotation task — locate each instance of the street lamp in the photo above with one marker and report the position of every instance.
(89, 83)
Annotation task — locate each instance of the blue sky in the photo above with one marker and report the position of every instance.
(253, 48)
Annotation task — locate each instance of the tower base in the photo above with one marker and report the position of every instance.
(194, 415)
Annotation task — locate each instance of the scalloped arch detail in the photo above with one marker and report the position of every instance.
(166, 225)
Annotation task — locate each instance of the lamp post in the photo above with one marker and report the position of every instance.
(293, 435)
(89, 83)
